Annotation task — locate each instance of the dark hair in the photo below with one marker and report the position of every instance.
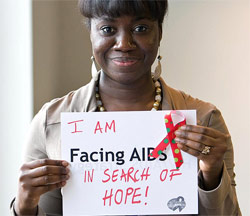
(154, 9)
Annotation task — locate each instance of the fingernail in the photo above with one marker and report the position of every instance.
(183, 127)
(63, 183)
(177, 132)
(177, 139)
(65, 171)
(66, 177)
(65, 163)
(179, 145)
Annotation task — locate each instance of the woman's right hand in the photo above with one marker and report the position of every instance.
(36, 178)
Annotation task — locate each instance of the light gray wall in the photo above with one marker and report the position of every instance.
(205, 52)
(61, 48)
(16, 93)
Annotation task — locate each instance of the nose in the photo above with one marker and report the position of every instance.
(124, 42)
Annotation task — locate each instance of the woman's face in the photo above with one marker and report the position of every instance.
(125, 47)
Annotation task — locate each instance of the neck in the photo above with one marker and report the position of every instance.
(139, 95)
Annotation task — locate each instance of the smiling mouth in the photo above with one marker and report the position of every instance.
(124, 62)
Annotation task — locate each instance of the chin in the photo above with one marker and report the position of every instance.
(127, 78)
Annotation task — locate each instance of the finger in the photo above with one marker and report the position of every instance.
(203, 130)
(191, 151)
(44, 162)
(43, 189)
(191, 144)
(196, 137)
(48, 170)
(49, 179)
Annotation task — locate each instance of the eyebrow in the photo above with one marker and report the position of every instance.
(140, 18)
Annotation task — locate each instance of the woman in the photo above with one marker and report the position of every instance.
(125, 46)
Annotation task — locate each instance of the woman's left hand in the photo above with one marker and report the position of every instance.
(194, 139)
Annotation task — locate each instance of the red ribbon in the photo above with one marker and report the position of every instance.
(169, 139)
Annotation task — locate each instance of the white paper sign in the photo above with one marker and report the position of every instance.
(112, 173)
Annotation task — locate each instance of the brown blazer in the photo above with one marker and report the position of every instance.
(44, 142)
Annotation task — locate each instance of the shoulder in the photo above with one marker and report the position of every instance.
(43, 139)
(80, 100)
(207, 114)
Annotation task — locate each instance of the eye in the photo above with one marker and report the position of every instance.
(140, 28)
(107, 30)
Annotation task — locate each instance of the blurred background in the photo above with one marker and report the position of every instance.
(45, 53)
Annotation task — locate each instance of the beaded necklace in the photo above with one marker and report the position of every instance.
(156, 104)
